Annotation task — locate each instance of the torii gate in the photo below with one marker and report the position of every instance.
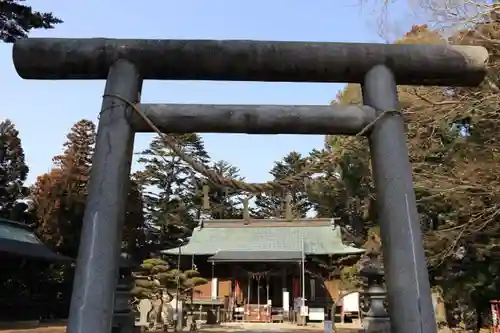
(124, 64)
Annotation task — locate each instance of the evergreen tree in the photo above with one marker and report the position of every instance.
(344, 189)
(155, 275)
(60, 196)
(19, 279)
(225, 202)
(134, 231)
(18, 19)
(273, 204)
(453, 145)
(13, 173)
(168, 186)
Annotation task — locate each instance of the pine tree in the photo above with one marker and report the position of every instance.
(155, 275)
(168, 186)
(225, 202)
(134, 232)
(13, 173)
(344, 190)
(273, 204)
(17, 20)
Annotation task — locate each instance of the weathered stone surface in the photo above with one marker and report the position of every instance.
(376, 325)
(248, 60)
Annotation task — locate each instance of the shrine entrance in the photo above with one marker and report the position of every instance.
(267, 286)
(258, 287)
(124, 64)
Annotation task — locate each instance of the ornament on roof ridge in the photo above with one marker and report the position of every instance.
(286, 207)
(200, 224)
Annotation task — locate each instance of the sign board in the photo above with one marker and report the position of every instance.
(214, 288)
(328, 326)
(304, 311)
(351, 302)
(317, 314)
(286, 301)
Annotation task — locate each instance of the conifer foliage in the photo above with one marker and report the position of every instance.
(17, 19)
(273, 204)
(169, 186)
(155, 275)
(60, 195)
(13, 172)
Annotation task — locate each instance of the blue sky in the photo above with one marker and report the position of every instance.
(44, 111)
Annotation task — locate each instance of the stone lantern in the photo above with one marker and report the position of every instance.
(375, 319)
(123, 316)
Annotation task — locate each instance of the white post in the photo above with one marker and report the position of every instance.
(178, 311)
(303, 303)
(303, 271)
(215, 284)
(215, 292)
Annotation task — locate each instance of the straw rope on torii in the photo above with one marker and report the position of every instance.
(220, 180)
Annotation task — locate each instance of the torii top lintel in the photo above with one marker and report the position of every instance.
(243, 60)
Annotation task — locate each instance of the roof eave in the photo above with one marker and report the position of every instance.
(188, 253)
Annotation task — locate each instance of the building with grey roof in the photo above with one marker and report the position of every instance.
(256, 261)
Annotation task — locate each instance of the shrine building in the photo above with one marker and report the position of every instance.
(262, 266)
(18, 245)
(18, 240)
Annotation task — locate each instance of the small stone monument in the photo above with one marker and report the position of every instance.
(167, 311)
(144, 308)
(155, 313)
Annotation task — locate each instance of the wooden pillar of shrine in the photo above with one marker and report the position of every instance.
(249, 290)
(268, 302)
(258, 296)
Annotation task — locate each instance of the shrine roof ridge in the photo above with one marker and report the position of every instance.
(265, 223)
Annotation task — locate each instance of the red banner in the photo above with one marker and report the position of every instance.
(296, 287)
(236, 289)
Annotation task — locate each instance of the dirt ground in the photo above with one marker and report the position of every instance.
(231, 328)
(226, 328)
(47, 329)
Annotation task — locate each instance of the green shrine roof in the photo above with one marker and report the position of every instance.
(321, 237)
(19, 240)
